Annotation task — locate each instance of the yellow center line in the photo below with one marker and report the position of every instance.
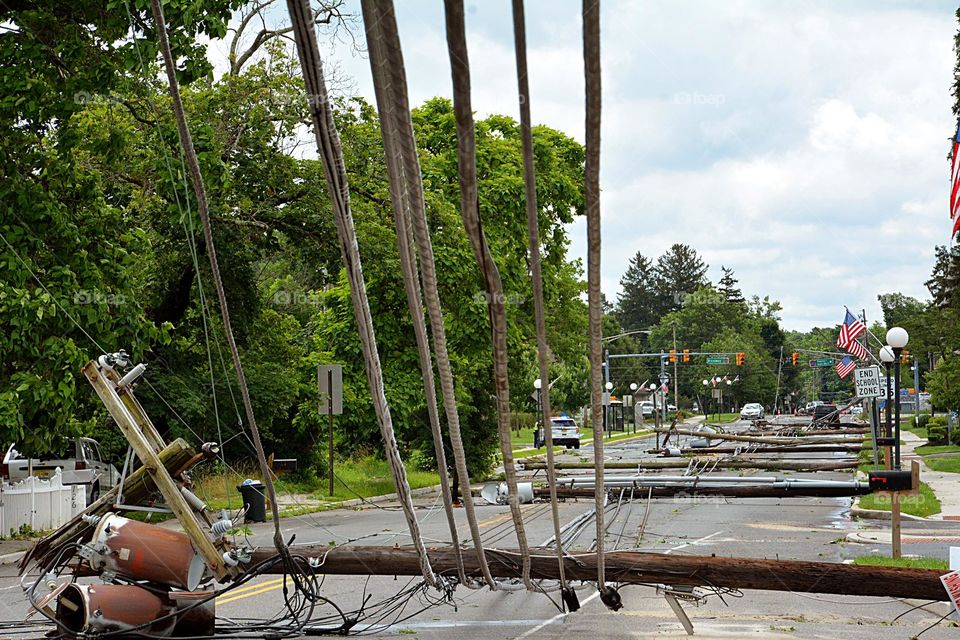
(495, 519)
(250, 590)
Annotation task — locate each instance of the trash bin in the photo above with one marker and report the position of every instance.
(253, 501)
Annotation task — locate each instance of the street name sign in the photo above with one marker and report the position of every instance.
(823, 362)
(718, 360)
(867, 381)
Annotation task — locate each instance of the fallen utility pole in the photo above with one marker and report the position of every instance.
(800, 448)
(683, 463)
(761, 439)
(636, 567)
(695, 492)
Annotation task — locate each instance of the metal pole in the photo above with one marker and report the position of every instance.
(606, 379)
(916, 391)
(776, 397)
(330, 430)
(896, 409)
(676, 387)
(887, 407)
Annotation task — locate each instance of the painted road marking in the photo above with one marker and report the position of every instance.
(695, 542)
(250, 590)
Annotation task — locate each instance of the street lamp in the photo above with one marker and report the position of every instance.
(897, 338)
(887, 358)
(537, 384)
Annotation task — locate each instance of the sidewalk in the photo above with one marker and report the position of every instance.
(945, 485)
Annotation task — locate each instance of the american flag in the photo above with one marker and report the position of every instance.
(850, 330)
(845, 366)
(955, 182)
(857, 350)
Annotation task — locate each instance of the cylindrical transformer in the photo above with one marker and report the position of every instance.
(101, 608)
(146, 552)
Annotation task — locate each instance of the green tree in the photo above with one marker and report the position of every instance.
(678, 273)
(727, 286)
(639, 304)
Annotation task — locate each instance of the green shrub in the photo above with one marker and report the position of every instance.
(955, 436)
(922, 420)
(937, 434)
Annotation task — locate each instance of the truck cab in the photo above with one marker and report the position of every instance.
(78, 460)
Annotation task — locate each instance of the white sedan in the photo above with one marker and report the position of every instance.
(752, 411)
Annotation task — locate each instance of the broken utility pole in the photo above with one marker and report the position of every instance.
(638, 567)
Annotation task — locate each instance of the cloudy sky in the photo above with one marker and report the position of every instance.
(802, 144)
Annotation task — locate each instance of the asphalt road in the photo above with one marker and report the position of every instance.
(800, 528)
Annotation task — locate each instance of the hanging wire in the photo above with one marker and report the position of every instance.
(591, 60)
(533, 233)
(473, 224)
(331, 154)
(400, 184)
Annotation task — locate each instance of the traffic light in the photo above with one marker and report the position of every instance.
(686, 355)
(740, 357)
(673, 355)
(796, 358)
(905, 356)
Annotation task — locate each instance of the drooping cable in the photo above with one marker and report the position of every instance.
(400, 184)
(331, 154)
(533, 232)
(397, 91)
(470, 214)
(591, 61)
(193, 166)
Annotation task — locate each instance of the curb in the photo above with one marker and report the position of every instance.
(877, 514)
(12, 558)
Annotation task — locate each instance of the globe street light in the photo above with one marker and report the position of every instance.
(887, 358)
(538, 428)
(897, 338)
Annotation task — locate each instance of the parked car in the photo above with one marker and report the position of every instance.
(752, 411)
(79, 462)
(565, 432)
(647, 409)
(828, 412)
(811, 407)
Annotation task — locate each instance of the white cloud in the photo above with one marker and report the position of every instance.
(802, 144)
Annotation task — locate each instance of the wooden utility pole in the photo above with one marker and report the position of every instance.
(702, 491)
(637, 567)
(800, 448)
(763, 439)
(202, 540)
(683, 463)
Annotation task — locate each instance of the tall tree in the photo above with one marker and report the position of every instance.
(639, 305)
(679, 272)
(728, 287)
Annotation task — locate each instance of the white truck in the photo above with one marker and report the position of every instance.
(78, 460)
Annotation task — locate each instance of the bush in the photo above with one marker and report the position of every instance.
(935, 420)
(937, 434)
(955, 436)
(922, 420)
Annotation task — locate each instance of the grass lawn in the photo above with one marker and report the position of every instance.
(724, 417)
(586, 437)
(909, 563)
(525, 436)
(925, 504)
(948, 465)
(365, 477)
(927, 449)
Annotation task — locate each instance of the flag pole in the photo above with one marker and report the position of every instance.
(870, 333)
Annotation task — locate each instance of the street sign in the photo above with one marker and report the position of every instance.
(822, 362)
(717, 393)
(330, 379)
(867, 381)
(718, 360)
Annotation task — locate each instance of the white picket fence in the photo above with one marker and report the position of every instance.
(38, 503)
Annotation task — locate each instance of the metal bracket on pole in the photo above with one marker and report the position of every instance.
(143, 446)
(679, 612)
